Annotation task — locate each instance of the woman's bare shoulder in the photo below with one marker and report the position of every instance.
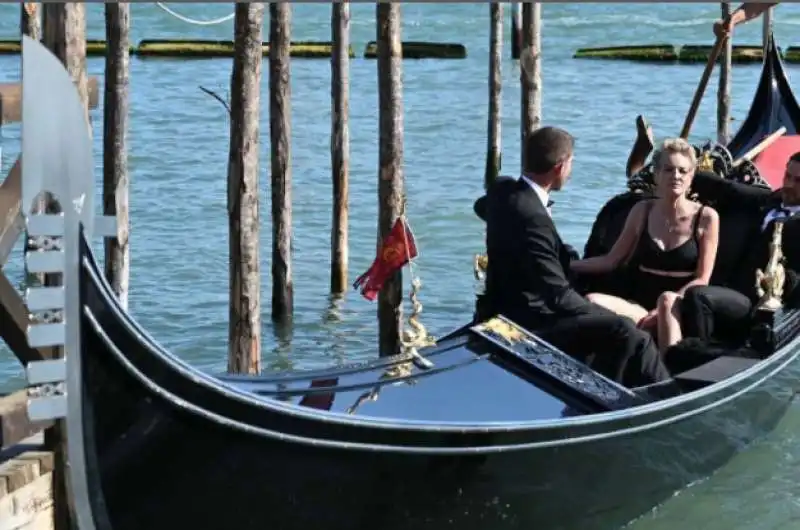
(708, 217)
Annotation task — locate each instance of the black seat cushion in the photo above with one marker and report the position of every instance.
(737, 230)
(606, 230)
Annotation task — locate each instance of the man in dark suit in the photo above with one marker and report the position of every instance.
(526, 279)
(728, 308)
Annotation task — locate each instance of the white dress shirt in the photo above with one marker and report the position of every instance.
(777, 213)
(543, 195)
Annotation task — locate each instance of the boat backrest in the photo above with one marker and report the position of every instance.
(606, 229)
(736, 231)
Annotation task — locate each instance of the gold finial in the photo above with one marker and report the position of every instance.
(479, 266)
(769, 282)
(706, 163)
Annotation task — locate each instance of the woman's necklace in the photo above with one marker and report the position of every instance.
(672, 225)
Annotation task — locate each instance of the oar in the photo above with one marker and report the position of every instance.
(641, 149)
(760, 146)
(701, 88)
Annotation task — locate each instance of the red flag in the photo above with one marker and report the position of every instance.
(392, 256)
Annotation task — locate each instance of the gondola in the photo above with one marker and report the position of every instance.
(499, 430)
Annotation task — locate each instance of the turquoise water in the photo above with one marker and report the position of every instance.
(178, 157)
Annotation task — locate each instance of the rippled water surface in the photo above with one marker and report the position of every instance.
(178, 156)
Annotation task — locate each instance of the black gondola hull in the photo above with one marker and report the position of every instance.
(164, 462)
(489, 438)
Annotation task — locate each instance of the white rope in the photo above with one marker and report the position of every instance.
(195, 21)
(415, 336)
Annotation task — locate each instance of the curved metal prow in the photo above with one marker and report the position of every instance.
(57, 159)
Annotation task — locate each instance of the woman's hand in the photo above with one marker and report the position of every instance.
(649, 320)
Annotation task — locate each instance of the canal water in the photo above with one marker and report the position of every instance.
(178, 156)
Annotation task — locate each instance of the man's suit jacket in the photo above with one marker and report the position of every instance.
(527, 276)
(729, 195)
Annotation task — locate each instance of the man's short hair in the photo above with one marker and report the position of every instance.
(794, 158)
(545, 148)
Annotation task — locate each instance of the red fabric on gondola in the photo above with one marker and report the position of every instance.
(320, 400)
(771, 162)
(392, 256)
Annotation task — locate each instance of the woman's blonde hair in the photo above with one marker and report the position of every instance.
(675, 145)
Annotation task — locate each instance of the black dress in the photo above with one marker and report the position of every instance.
(646, 287)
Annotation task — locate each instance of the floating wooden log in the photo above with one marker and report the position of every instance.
(690, 53)
(94, 48)
(423, 50)
(687, 53)
(654, 52)
(792, 55)
(11, 100)
(224, 48)
(188, 48)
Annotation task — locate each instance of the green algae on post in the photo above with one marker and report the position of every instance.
(423, 50)
(650, 52)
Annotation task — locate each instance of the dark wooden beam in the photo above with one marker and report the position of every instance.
(13, 323)
(11, 223)
(15, 426)
(11, 100)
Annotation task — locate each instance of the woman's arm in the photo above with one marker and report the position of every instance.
(709, 241)
(622, 248)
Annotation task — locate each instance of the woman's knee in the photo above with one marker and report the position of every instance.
(667, 302)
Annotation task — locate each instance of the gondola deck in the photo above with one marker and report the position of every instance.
(502, 432)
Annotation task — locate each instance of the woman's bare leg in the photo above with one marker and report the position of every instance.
(669, 320)
(618, 305)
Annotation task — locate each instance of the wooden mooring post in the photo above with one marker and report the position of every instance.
(244, 318)
(493, 138)
(340, 143)
(724, 91)
(530, 67)
(390, 163)
(115, 155)
(280, 132)
(31, 20)
(516, 29)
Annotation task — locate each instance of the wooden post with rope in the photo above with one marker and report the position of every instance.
(390, 163)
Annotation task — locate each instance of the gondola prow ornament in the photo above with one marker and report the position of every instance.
(770, 281)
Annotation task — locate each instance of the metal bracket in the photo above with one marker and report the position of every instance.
(47, 396)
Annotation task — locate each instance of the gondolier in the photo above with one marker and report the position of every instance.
(744, 13)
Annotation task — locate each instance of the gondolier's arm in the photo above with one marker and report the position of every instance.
(745, 12)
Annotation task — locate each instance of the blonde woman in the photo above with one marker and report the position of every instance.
(670, 244)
